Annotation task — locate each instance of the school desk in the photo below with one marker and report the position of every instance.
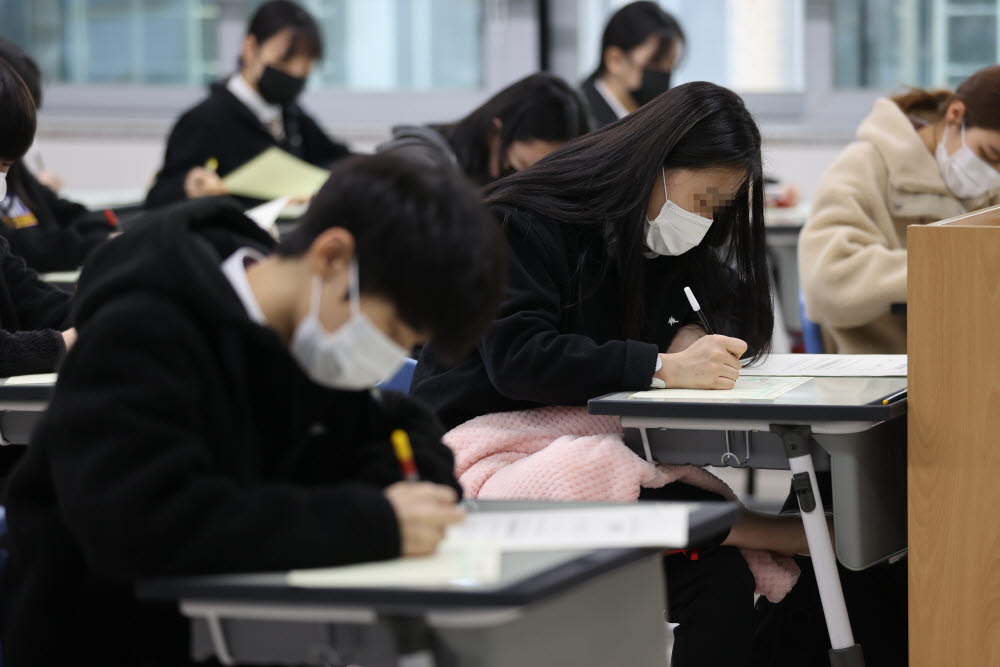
(836, 424)
(22, 405)
(549, 608)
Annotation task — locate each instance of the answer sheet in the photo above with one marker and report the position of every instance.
(42, 378)
(456, 565)
(274, 174)
(747, 388)
(830, 365)
(647, 524)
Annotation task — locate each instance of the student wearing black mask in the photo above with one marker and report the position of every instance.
(252, 111)
(640, 47)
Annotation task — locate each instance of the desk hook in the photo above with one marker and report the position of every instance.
(731, 459)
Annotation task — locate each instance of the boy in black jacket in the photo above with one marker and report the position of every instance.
(213, 419)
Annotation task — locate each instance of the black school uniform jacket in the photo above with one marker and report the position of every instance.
(50, 233)
(182, 438)
(601, 113)
(558, 338)
(32, 316)
(223, 128)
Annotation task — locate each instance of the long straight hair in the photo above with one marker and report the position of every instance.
(540, 106)
(605, 180)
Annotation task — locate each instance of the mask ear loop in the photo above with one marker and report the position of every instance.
(663, 173)
(354, 287)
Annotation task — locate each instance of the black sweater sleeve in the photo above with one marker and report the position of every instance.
(526, 355)
(186, 149)
(320, 149)
(42, 311)
(65, 233)
(137, 482)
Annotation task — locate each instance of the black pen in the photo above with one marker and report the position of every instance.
(892, 398)
(697, 310)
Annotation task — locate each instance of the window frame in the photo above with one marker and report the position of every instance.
(820, 113)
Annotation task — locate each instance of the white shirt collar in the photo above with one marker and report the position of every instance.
(265, 112)
(235, 270)
(609, 97)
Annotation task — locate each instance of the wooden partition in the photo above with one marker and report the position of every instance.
(953, 458)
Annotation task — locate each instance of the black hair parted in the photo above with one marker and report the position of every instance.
(423, 239)
(605, 179)
(17, 114)
(275, 16)
(540, 106)
(633, 24)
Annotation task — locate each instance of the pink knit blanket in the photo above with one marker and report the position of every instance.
(563, 453)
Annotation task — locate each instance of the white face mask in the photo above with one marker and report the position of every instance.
(3, 185)
(966, 174)
(356, 356)
(675, 230)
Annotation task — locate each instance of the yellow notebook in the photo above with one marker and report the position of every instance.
(274, 174)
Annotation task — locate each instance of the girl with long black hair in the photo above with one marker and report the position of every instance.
(604, 234)
(511, 131)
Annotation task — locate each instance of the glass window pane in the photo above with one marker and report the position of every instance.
(886, 44)
(117, 41)
(748, 46)
(375, 45)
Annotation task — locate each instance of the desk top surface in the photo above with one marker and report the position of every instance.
(822, 399)
(525, 577)
(32, 392)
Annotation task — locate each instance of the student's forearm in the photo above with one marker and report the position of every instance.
(783, 534)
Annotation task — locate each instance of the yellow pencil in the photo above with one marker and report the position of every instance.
(404, 453)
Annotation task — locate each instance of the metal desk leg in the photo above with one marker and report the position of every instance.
(797, 441)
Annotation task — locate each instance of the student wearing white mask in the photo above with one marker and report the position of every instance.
(217, 413)
(919, 157)
(604, 234)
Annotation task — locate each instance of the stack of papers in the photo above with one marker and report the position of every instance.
(274, 174)
(44, 378)
(472, 551)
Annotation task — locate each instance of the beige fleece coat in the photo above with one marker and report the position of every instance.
(852, 251)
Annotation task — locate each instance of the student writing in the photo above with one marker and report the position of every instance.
(253, 110)
(215, 414)
(511, 131)
(918, 158)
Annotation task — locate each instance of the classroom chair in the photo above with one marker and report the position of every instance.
(811, 334)
(402, 379)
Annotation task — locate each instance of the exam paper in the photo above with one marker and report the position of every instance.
(266, 215)
(274, 174)
(830, 365)
(747, 388)
(647, 524)
(43, 378)
(453, 565)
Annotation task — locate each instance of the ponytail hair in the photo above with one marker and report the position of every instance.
(980, 93)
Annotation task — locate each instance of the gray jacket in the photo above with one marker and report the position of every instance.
(421, 144)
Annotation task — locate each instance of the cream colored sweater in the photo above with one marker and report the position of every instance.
(852, 251)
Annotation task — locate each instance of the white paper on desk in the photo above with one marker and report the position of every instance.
(647, 524)
(43, 378)
(830, 365)
(66, 277)
(747, 388)
(266, 215)
(456, 564)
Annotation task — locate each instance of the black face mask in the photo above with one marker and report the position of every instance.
(277, 87)
(654, 82)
